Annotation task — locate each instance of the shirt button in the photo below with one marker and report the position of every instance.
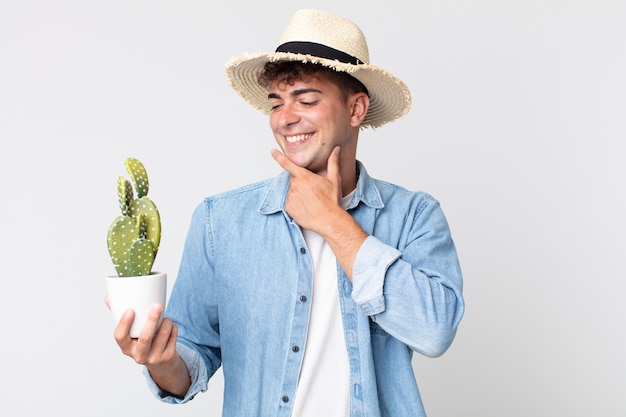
(302, 251)
(285, 399)
(303, 298)
(295, 348)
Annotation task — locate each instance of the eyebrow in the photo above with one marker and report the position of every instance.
(295, 92)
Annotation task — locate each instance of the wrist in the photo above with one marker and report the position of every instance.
(173, 380)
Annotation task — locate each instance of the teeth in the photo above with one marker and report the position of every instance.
(297, 138)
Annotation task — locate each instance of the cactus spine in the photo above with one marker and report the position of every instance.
(134, 236)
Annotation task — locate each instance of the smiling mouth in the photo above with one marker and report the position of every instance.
(298, 138)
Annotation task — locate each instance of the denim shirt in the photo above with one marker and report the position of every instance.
(242, 296)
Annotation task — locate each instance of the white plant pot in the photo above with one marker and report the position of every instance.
(136, 293)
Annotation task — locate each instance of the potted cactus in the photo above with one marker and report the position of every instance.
(133, 242)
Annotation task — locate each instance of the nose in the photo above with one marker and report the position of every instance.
(288, 115)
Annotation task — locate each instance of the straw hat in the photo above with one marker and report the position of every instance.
(319, 37)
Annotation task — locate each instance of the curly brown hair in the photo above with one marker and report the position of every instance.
(292, 71)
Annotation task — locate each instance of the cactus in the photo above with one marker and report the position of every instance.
(134, 236)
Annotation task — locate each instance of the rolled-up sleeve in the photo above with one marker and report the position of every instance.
(368, 274)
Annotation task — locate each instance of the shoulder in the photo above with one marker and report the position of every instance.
(386, 195)
(234, 199)
(394, 194)
(244, 191)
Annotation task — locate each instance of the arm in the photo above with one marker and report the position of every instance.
(413, 291)
(314, 202)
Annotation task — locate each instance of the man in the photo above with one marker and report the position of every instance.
(313, 289)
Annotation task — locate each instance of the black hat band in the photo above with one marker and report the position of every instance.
(318, 50)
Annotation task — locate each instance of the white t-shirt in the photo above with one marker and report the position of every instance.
(324, 383)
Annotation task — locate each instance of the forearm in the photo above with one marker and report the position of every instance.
(345, 237)
(420, 306)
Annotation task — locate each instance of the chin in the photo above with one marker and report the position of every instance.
(309, 163)
(299, 159)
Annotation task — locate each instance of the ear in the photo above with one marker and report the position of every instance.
(360, 104)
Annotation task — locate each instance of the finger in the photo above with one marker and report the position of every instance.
(106, 301)
(149, 328)
(332, 170)
(287, 164)
(122, 330)
(164, 335)
(332, 167)
(163, 350)
(170, 348)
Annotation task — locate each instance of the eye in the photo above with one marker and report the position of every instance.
(275, 105)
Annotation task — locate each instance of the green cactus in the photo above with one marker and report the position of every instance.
(134, 236)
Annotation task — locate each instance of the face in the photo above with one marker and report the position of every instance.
(309, 118)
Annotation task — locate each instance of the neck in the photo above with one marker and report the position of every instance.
(349, 176)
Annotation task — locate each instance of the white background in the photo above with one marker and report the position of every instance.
(518, 127)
